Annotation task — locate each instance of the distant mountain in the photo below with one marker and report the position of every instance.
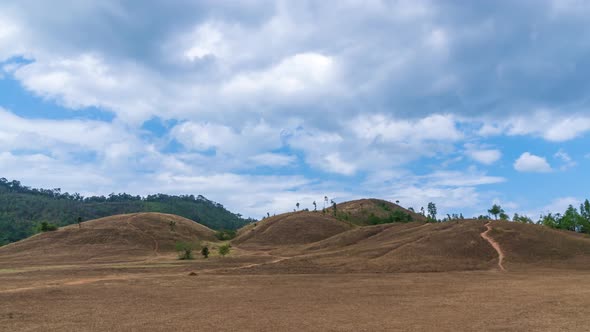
(22, 208)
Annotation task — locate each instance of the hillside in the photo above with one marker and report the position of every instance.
(21, 208)
(125, 237)
(374, 211)
(291, 229)
(536, 245)
(437, 247)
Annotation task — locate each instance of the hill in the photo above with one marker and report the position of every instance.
(21, 208)
(535, 245)
(374, 211)
(437, 247)
(121, 238)
(291, 229)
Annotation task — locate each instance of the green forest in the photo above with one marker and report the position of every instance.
(23, 208)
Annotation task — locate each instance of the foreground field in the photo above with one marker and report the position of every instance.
(297, 272)
(165, 297)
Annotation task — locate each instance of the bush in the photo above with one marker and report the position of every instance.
(185, 249)
(225, 235)
(44, 226)
(224, 249)
(205, 252)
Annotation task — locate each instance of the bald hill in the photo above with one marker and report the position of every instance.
(22, 208)
(119, 238)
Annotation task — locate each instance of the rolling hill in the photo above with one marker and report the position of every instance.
(291, 228)
(434, 247)
(120, 238)
(22, 208)
(374, 211)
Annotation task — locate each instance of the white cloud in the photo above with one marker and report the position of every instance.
(297, 74)
(566, 161)
(273, 159)
(528, 162)
(383, 128)
(461, 179)
(484, 156)
(550, 125)
(206, 40)
(334, 163)
(21, 133)
(251, 138)
(88, 80)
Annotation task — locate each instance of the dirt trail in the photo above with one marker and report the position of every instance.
(156, 244)
(495, 245)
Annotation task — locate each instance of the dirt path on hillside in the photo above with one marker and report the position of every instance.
(156, 244)
(495, 245)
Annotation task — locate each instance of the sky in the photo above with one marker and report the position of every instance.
(259, 105)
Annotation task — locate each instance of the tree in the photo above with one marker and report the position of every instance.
(522, 219)
(297, 205)
(550, 220)
(333, 206)
(205, 252)
(224, 249)
(585, 213)
(44, 226)
(172, 225)
(432, 211)
(495, 211)
(504, 216)
(397, 202)
(185, 249)
(79, 222)
(315, 206)
(325, 201)
(571, 220)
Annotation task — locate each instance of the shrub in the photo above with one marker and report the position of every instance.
(185, 249)
(224, 249)
(44, 226)
(205, 252)
(225, 235)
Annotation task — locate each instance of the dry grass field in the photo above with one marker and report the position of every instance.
(121, 274)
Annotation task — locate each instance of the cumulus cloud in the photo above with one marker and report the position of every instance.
(484, 156)
(528, 162)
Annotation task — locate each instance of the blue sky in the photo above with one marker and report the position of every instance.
(262, 104)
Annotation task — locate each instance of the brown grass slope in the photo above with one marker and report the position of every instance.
(449, 246)
(116, 238)
(292, 228)
(358, 211)
(538, 246)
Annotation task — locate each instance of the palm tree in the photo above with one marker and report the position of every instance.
(297, 205)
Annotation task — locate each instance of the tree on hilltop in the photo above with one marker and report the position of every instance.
(432, 211)
(496, 210)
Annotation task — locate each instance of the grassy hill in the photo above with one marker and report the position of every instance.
(433, 247)
(373, 212)
(120, 238)
(291, 229)
(22, 208)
